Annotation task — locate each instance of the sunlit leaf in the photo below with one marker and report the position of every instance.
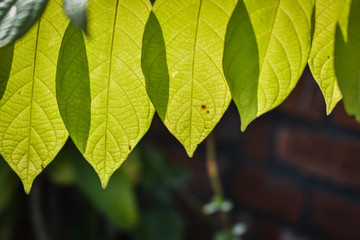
(347, 60)
(31, 129)
(17, 17)
(266, 50)
(76, 11)
(321, 59)
(103, 97)
(189, 90)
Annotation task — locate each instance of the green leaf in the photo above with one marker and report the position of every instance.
(347, 60)
(6, 56)
(321, 61)
(121, 111)
(266, 50)
(31, 128)
(344, 17)
(154, 65)
(17, 17)
(76, 11)
(73, 86)
(190, 92)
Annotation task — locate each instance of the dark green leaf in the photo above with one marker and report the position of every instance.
(347, 60)
(6, 56)
(73, 87)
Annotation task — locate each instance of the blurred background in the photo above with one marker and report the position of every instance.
(294, 174)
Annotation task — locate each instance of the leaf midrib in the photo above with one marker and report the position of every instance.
(277, 8)
(108, 84)
(193, 70)
(32, 95)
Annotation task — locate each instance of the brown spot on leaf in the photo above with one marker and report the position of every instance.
(203, 106)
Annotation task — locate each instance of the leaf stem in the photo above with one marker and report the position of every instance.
(213, 172)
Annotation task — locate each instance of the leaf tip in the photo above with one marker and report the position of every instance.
(244, 124)
(329, 110)
(104, 179)
(27, 186)
(191, 149)
(104, 183)
(243, 127)
(330, 107)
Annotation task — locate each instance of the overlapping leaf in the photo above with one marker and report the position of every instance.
(31, 129)
(5, 6)
(266, 50)
(6, 56)
(73, 86)
(77, 12)
(321, 60)
(347, 59)
(182, 63)
(102, 95)
(17, 17)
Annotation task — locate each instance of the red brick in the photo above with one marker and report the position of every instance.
(341, 118)
(336, 218)
(305, 100)
(268, 194)
(322, 154)
(257, 140)
(270, 231)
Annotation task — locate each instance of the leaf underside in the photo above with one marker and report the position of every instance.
(109, 110)
(31, 129)
(278, 32)
(321, 60)
(193, 95)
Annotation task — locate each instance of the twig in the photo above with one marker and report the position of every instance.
(213, 173)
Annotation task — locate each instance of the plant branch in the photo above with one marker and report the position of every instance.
(213, 173)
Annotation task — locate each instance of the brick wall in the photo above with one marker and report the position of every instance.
(294, 174)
